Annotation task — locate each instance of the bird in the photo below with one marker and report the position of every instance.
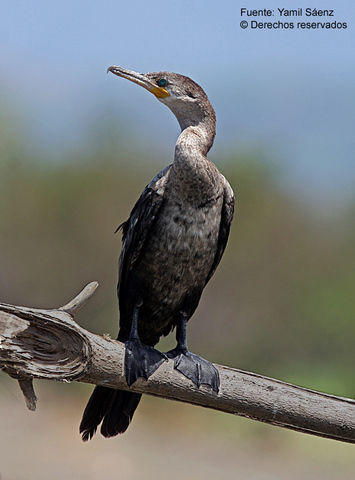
(172, 244)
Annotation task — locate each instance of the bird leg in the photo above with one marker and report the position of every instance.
(140, 360)
(195, 368)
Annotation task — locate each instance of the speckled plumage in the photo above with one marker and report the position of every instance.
(178, 256)
(172, 242)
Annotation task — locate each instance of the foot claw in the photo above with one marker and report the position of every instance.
(195, 368)
(141, 360)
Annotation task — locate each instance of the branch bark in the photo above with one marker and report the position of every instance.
(49, 344)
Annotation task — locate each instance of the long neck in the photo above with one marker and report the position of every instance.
(197, 134)
(193, 175)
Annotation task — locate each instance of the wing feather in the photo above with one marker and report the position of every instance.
(136, 229)
(226, 220)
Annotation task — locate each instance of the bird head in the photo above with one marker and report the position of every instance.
(185, 98)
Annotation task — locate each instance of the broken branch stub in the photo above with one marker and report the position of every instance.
(47, 344)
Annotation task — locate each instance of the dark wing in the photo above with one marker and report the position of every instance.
(136, 229)
(226, 220)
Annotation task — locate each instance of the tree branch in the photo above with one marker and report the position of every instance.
(49, 344)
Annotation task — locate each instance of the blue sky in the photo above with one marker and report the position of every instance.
(288, 93)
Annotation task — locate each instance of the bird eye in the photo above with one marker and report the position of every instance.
(162, 82)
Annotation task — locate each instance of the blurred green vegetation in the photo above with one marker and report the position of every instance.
(281, 303)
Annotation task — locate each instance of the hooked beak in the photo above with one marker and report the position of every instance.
(139, 79)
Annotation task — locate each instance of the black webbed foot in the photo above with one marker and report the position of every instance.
(141, 360)
(195, 368)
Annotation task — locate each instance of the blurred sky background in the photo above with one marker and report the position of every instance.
(289, 94)
(76, 148)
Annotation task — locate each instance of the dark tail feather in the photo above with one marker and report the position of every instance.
(114, 407)
(120, 413)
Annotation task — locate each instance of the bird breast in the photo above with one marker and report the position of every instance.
(179, 254)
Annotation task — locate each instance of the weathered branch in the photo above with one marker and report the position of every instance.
(49, 344)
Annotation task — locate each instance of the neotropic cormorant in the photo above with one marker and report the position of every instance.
(172, 243)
